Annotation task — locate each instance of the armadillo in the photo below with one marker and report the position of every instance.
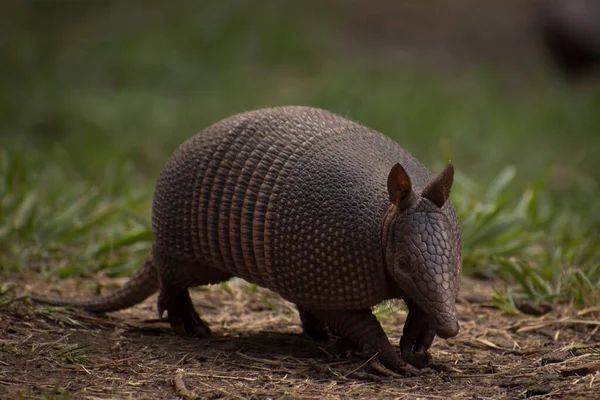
(333, 216)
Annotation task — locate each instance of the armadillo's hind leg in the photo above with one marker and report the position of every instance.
(361, 329)
(181, 314)
(312, 326)
(175, 278)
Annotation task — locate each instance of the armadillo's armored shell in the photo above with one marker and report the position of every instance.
(290, 198)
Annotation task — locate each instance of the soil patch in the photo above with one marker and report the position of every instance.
(258, 351)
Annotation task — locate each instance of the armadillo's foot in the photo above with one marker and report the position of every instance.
(361, 329)
(417, 338)
(312, 326)
(181, 313)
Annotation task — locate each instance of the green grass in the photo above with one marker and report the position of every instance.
(547, 244)
(95, 99)
(53, 221)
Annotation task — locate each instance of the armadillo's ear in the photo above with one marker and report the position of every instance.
(399, 186)
(438, 190)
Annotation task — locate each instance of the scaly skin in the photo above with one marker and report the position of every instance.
(307, 204)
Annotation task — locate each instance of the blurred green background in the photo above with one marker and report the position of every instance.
(95, 95)
(111, 80)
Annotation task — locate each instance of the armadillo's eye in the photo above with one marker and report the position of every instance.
(402, 260)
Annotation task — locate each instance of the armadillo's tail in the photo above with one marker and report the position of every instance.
(142, 285)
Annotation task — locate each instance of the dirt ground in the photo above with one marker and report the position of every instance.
(258, 351)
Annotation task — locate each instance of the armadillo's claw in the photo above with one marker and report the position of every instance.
(195, 328)
(400, 371)
(418, 360)
(414, 345)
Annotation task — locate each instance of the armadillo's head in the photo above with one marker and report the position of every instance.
(423, 247)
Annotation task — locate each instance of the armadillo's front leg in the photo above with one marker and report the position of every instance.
(417, 337)
(362, 329)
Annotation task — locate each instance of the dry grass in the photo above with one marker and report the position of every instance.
(257, 352)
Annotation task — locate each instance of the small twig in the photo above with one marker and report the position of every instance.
(584, 369)
(421, 396)
(180, 387)
(361, 366)
(228, 377)
(324, 369)
(8, 302)
(225, 392)
(581, 347)
(113, 362)
(557, 322)
(590, 310)
(591, 335)
(489, 344)
(506, 375)
(9, 380)
(45, 346)
(524, 322)
(366, 376)
(85, 369)
(470, 376)
(268, 369)
(326, 352)
(264, 361)
(183, 359)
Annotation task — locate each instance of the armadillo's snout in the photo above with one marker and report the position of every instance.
(448, 329)
(443, 316)
(440, 303)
